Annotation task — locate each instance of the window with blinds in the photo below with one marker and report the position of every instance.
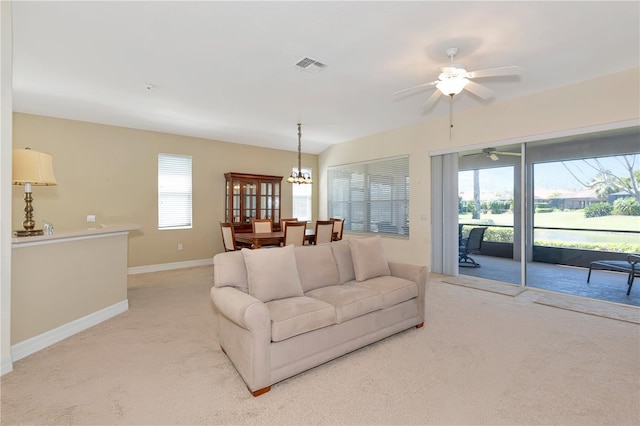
(174, 191)
(302, 198)
(371, 196)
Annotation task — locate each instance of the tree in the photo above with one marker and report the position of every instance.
(605, 182)
(476, 194)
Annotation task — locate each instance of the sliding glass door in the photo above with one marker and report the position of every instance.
(489, 199)
(550, 208)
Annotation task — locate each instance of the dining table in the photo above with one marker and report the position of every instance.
(259, 239)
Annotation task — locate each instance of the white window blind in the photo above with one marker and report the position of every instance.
(302, 198)
(174, 191)
(371, 196)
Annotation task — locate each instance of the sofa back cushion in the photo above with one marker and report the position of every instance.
(342, 255)
(316, 266)
(272, 273)
(229, 270)
(368, 257)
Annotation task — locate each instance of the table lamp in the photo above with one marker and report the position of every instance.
(31, 168)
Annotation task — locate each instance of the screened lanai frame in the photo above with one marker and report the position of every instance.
(606, 140)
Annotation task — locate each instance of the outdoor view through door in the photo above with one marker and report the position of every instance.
(582, 201)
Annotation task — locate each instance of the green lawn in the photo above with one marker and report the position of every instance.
(611, 241)
(571, 219)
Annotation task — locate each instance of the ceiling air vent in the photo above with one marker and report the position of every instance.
(310, 66)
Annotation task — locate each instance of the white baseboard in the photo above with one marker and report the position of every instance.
(168, 266)
(34, 344)
(6, 366)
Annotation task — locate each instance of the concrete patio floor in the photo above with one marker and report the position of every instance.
(604, 285)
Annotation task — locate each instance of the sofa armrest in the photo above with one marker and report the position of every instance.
(241, 308)
(246, 335)
(416, 273)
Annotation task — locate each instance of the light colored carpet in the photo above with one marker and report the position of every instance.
(485, 285)
(481, 358)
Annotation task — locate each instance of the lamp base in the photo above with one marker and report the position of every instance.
(28, 232)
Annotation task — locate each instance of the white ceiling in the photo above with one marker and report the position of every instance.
(225, 70)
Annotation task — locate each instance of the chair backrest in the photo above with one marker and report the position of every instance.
(228, 236)
(338, 226)
(260, 226)
(474, 242)
(324, 231)
(290, 219)
(294, 233)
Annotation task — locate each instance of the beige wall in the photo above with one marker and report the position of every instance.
(112, 172)
(611, 99)
(57, 282)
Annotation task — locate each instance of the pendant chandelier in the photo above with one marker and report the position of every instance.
(299, 177)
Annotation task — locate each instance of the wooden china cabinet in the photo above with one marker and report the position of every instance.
(249, 195)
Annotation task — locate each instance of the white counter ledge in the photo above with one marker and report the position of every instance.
(59, 236)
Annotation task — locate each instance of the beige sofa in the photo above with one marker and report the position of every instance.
(282, 311)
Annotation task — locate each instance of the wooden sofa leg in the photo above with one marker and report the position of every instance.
(260, 391)
(420, 325)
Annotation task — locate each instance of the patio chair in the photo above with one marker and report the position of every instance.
(470, 245)
(629, 266)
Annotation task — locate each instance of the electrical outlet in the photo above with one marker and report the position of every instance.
(91, 218)
(179, 246)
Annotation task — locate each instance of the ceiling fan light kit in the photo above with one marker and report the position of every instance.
(454, 78)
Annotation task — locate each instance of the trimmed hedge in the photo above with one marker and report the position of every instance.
(598, 210)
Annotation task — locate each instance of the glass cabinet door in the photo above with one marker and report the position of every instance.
(276, 202)
(250, 207)
(235, 202)
(266, 200)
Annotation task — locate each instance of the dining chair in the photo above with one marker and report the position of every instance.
(294, 233)
(260, 226)
(324, 232)
(338, 226)
(228, 236)
(290, 219)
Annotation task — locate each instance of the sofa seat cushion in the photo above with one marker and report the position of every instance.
(297, 315)
(393, 290)
(349, 301)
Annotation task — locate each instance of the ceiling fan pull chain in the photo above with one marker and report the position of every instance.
(450, 116)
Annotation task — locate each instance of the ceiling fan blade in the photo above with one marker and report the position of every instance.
(431, 83)
(431, 101)
(507, 153)
(479, 90)
(495, 72)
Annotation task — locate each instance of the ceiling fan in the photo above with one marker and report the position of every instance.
(454, 78)
(493, 154)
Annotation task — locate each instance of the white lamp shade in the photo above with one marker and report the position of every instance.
(32, 167)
